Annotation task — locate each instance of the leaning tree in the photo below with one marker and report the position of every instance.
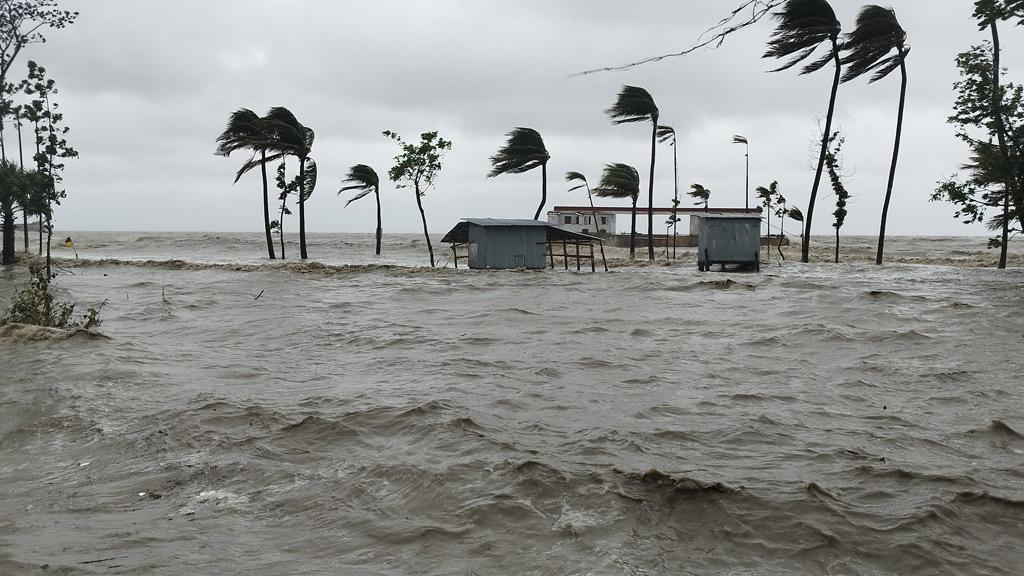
(247, 131)
(622, 181)
(417, 167)
(580, 181)
(523, 152)
(363, 179)
(804, 26)
(878, 46)
(635, 104)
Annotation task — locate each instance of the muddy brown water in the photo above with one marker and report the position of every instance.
(370, 417)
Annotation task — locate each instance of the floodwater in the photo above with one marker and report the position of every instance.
(371, 416)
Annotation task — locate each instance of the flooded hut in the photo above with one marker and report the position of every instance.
(497, 244)
(729, 239)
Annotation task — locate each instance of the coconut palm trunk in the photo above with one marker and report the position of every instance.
(266, 205)
(280, 229)
(632, 232)
(805, 249)
(650, 190)
(21, 164)
(423, 216)
(302, 209)
(837, 245)
(997, 117)
(675, 213)
(543, 190)
(895, 161)
(8, 233)
(597, 224)
(380, 231)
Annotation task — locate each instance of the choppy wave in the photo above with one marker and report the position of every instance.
(27, 333)
(371, 415)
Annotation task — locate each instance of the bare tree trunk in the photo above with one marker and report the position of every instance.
(895, 160)
(1004, 247)
(302, 209)
(49, 236)
(280, 228)
(8, 236)
(675, 197)
(837, 245)
(266, 206)
(650, 192)
(593, 214)
(805, 249)
(24, 212)
(423, 216)
(632, 233)
(997, 116)
(376, 193)
(543, 190)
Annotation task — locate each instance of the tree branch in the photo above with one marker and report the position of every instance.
(719, 32)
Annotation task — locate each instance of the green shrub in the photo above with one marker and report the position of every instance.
(35, 304)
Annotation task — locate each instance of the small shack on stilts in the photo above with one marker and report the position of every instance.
(498, 244)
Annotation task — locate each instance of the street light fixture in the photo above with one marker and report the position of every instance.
(743, 140)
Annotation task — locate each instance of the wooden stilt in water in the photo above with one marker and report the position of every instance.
(551, 255)
(565, 254)
(577, 255)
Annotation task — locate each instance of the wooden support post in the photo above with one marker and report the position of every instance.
(455, 254)
(551, 255)
(565, 254)
(593, 265)
(577, 254)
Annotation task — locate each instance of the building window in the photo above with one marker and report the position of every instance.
(604, 219)
(568, 219)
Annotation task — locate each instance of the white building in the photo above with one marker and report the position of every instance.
(582, 221)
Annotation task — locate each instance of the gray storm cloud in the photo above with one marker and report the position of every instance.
(148, 85)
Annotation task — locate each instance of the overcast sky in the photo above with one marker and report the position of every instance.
(147, 85)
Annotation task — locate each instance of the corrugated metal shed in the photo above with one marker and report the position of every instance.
(728, 239)
(497, 244)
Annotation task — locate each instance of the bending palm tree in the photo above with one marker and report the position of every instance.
(622, 181)
(768, 196)
(636, 105)
(803, 26)
(666, 133)
(523, 152)
(294, 139)
(701, 194)
(581, 182)
(870, 48)
(363, 178)
(246, 131)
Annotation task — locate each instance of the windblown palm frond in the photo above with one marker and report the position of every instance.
(795, 214)
(363, 178)
(1016, 10)
(666, 133)
(289, 135)
(870, 46)
(803, 26)
(309, 178)
(701, 194)
(619, 181)
(576, 178)
(634, 104)
(256, 162)
(245, 130)
(523, 152)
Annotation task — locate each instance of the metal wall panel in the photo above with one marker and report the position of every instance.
(504, 247)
